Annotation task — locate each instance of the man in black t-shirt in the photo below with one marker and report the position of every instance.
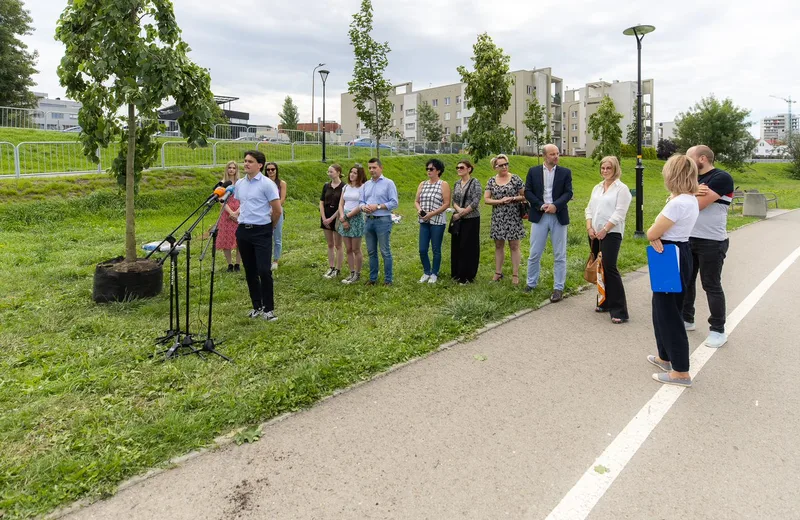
(709, 243)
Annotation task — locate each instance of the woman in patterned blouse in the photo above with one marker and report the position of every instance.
(433, 199)
(504, 192)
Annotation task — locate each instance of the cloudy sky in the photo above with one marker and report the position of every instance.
(261, 51)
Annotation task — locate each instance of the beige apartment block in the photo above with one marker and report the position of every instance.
(581, 103)
(450, 104)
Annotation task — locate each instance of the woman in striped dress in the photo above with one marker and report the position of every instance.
(433, 198)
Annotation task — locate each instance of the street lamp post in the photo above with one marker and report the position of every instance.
(313, 81)
(639, 31)
(324, 75)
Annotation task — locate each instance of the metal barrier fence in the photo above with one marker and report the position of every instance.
(60, 157)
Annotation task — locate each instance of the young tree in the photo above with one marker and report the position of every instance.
(130, 57)
(290, 116)
(666, 148)
(430, 129)
(604, 126)
(793, 150)
(487, 93)
(18, 63)
(720, 125)
(536, 123)
(370, 90)
(630, 132)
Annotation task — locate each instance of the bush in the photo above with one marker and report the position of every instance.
(629, 150)
(666, 147)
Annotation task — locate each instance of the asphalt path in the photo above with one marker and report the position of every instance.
(520, 421)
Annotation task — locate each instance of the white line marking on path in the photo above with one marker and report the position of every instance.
(581, 499)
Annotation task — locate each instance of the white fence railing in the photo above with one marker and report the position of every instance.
(60, 157)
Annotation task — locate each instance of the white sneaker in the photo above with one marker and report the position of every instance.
(274, 266)
(716, 339)
(329, 273)
(269, 315)
(689, 326)
(425, 278)
(255, 313)
(433, 278)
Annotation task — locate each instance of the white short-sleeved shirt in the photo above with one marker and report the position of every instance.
(254, 197)
(683, 211)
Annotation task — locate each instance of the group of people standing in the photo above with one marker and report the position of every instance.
(694, 220)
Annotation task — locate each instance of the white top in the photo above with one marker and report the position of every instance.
(683, 211)
(611, 206)
(351, 197)
(549, 178)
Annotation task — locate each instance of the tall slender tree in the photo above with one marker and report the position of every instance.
(128, 54)
(290, 116)
(604, 127)
(369, 88)
(488, 94)
(631, 135)
(17, 63)
(430, 129)
(536, 123)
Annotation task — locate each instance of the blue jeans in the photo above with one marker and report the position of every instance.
(277, 240)
(558, 236)
(377, 233)
(431, 234)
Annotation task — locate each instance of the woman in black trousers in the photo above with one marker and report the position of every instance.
(465, 225)
(673, 226)
(605, 224)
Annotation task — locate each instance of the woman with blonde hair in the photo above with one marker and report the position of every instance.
(605, 225)
(351, 221)
(226, 233)
(673, 226)
(504, 192)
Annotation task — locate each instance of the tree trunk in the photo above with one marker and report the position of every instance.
(130, 223)
(377, 131)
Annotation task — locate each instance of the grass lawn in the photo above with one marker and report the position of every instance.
(83, 408)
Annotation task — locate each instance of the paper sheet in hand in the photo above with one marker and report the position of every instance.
(665, 269)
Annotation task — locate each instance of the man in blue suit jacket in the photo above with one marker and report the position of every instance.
(548, 188)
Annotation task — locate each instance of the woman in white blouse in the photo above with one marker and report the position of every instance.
(605, 225)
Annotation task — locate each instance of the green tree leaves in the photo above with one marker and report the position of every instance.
(428, 125)
(604, 127)
(721, 126)
(17, 63)
(128, 54)
(536, 123)
(369, 88)
(487, 93)
(289, 117)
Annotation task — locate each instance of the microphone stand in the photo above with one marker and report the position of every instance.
(187, 340)
(208, 344)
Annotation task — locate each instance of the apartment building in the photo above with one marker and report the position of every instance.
(666, 130)
(775, 129)
(581, 103)
(55, 114)
(450, 104)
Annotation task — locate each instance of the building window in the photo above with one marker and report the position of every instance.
(358, 125)
(447, 131)
(458, 114)
(447, 115)
(435, 102)
(564, 115)
(574, 113)
(466, 120)
(447, 101)
(458, 130)
(394, 122)
(56, 115)
(574, 139)
(564, 128)
(574, 127)
(464, 104)
(527, 142)
(530, 91)
(411, 126)
(365, 131)
(411, 112)
(458, 100)
(393, 107)
(401, 108)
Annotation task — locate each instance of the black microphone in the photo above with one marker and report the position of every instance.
(219, 191)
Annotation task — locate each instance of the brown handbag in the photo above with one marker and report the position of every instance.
(590, 271)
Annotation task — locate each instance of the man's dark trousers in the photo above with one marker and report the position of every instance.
(255, 247)
(708, 256)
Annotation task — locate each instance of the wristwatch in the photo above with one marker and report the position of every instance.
(379, 207)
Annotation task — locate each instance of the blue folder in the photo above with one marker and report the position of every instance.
(665, 269)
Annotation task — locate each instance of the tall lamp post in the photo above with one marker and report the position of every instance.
(639, 31)
(313, 81)
(324, 75)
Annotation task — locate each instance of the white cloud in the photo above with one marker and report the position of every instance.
(263, 51)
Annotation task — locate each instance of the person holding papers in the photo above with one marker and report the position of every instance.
(672, 228)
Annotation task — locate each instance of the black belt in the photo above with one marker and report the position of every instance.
(378, 216)
(254, 226)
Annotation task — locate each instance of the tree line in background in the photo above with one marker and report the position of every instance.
(718, 123)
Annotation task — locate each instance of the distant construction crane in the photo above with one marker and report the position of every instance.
(789, 102)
